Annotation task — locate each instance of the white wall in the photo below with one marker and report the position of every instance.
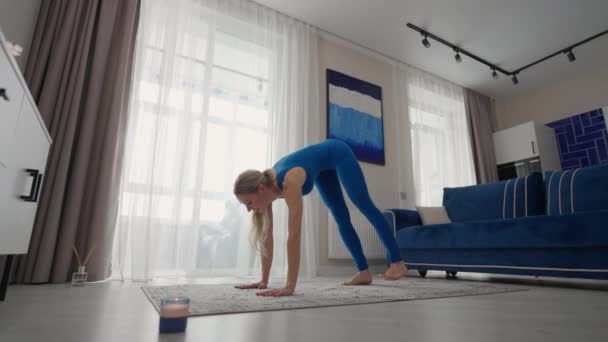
(18, 22)
(381, 179)
(586, 92)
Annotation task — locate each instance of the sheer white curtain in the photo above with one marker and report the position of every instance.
(219, 87)
(438, 131)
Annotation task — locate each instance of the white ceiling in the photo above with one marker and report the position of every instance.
(509, 33)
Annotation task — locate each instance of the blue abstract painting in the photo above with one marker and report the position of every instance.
(582, 139)
(354, 115)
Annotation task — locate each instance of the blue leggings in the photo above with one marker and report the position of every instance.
(348, 172)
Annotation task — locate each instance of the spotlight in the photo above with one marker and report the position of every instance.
(494, 74)
(568, 51)
(426, 42)
(571, 56)
(457, 57)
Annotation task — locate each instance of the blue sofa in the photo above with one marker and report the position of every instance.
(552, 226)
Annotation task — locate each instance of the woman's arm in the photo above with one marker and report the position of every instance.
(294, 203)
(268, 245)
(292, 192)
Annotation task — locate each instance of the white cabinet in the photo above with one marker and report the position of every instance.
(11, 95)
(527, 141)
(25, 173)
(24, 147)
(515, 143)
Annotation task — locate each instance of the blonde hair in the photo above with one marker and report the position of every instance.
(247, 183)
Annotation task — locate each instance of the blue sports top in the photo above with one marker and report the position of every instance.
(313, 159)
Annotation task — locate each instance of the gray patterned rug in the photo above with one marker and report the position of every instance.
(225, 299)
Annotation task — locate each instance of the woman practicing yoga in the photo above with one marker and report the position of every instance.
(325, 165)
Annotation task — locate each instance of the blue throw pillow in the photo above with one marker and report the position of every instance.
(578, 190)
(518, 197)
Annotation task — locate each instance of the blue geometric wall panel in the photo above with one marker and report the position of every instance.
(582, 139)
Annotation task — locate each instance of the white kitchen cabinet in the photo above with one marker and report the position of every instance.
(11, 96)
(24, 147)
(526, 141)
(515, 143)
(25, 173)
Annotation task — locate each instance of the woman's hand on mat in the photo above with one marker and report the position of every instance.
(258, 285)
(286, 291)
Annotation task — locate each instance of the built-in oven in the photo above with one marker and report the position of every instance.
(519, 168)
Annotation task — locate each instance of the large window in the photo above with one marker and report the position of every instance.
(199, 116)
(441, 147)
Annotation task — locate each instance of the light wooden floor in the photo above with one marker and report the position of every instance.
(113, 311)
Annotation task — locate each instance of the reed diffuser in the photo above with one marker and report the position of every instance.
(79, 278)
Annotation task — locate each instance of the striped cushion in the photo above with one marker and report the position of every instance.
(519, 197)
(523, 196)
(578, 190)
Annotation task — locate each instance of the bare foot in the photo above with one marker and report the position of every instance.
(361, 278)
(395, 271)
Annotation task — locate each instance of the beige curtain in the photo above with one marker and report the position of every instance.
(79, 72)
(482, 124)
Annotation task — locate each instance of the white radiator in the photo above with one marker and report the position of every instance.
(372, 246)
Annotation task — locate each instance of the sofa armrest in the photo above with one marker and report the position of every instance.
(402, 218)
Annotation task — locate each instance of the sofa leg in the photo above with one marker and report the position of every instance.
(422, 273)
